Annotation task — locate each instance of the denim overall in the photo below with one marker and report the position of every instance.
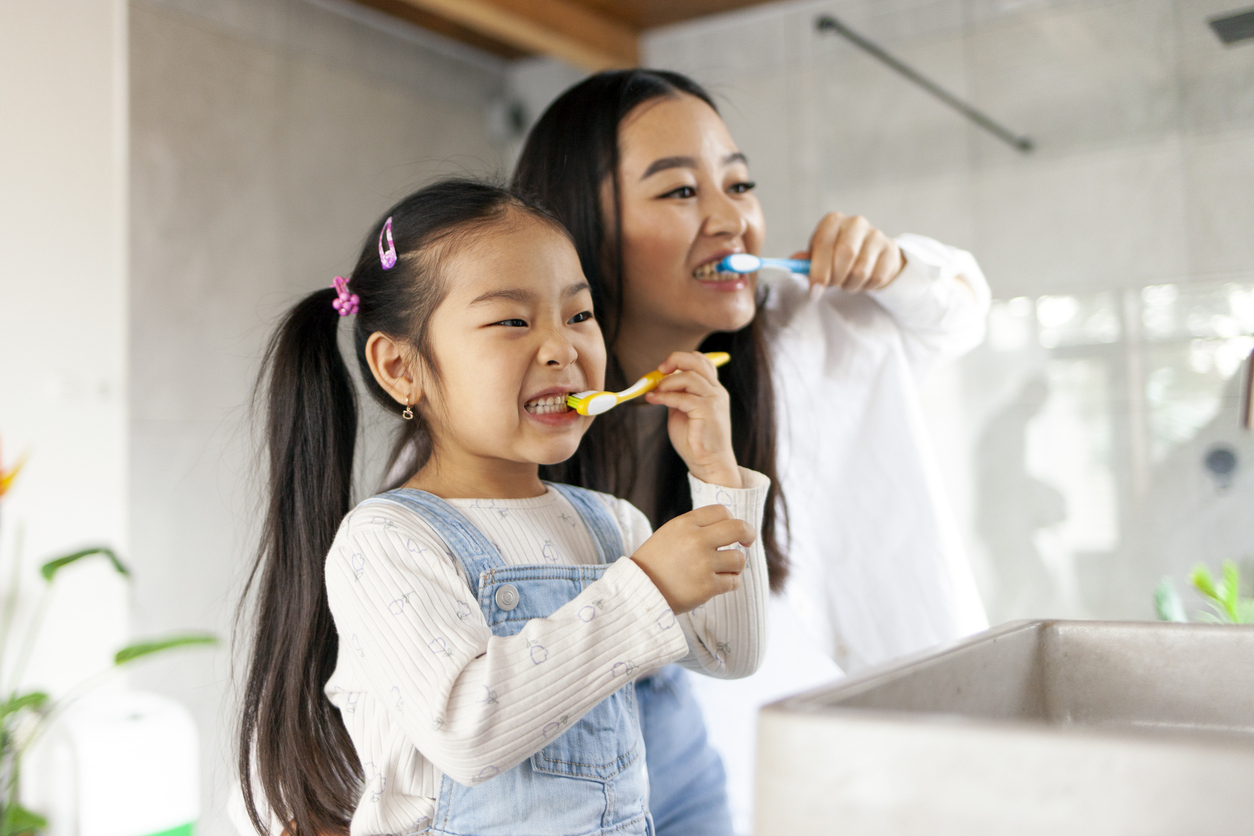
(590, 779)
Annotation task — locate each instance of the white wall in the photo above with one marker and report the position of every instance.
(266, 137)
(63, 315)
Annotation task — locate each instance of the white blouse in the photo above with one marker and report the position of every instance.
(426, 689)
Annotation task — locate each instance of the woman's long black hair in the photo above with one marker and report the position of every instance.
(293, 747)
(570, 154)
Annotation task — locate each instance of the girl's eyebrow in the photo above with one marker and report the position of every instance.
(516, 294)
(665, 163)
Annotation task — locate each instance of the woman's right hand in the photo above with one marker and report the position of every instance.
(686, 561)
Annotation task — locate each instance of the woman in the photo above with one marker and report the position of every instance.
(640, 167)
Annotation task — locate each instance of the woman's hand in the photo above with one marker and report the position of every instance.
(847, 252)
(686, 561)
(699, 423)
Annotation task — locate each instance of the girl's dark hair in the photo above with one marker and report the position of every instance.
(293, 746)
(570, 154)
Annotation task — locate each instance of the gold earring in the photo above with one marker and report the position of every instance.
(408, 414)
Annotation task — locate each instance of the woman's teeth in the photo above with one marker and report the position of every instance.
(547, 405)
(709, 272)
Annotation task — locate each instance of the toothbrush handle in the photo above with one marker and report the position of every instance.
(650, 381)
(792, 265)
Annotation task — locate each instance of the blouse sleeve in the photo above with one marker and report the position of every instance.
(940, 301)
(473, 703)
(726, 635)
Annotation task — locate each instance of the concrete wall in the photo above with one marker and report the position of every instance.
(266, 137)
(63, 318)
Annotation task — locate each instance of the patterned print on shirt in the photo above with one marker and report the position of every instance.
(462, 610)
(555, 726)
(538, 651)
(358, 562)
(549, 552)
(666, 620)
(489, 696)
(376, 781)
(623, 668)
(356, 643)
(439, 646)
(398, 606)
(397, 701)
(387, 523)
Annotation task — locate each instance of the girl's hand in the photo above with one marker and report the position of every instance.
(847, 252)
(699, 423)
(686, 561)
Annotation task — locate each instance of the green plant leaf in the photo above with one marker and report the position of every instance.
(34, 700)
(1232, 586)
(146, 648)
(1245, 611)
(1167, 602)
(50, 569)
(1201, 580)
(18, 821)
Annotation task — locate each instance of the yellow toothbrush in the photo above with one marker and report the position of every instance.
(595, 403)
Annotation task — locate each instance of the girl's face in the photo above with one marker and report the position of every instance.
(686, 202)
(512, 338)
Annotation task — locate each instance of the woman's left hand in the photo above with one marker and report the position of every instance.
(847, 252)
(699, 423)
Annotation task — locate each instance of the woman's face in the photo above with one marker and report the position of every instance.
(686, 202)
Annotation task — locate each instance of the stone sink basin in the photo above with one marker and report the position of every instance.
(1034, 727)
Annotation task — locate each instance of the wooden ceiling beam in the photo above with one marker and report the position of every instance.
(558, 28)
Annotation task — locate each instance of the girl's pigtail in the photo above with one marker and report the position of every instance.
(294, 749)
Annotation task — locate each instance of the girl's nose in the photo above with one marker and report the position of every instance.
(557, 351)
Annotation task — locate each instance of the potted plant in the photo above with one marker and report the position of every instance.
(1223, 595)
(24, 714)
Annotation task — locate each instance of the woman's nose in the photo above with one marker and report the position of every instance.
(724, 217)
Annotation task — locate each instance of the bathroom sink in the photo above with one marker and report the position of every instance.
(1034, 727)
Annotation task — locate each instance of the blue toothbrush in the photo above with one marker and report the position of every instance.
(746, 263)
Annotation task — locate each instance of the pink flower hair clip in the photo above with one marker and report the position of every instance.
(387, 257)
(347, 303)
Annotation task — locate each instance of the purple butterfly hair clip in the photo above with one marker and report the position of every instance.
(347, 303)
(387, 257)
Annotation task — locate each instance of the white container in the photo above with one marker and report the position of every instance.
(1042, 727)
(117, 763)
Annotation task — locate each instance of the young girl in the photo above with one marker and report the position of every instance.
(458, 655)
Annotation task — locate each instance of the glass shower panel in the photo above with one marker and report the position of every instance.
(1105, 446)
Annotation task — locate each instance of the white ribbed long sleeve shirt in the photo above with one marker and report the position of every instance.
(426, 689)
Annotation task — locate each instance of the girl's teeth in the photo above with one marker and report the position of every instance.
(547, 406)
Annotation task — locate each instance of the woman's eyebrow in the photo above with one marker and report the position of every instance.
(687, 162)
(668, 162)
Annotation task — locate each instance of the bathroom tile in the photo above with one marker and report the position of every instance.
(939, 207)
(1077, 79)
(869, 125)
(1109, 219)
(1216, 81)
(1219, 184)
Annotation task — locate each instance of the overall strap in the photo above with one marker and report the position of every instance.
(597, 518)
(464, 540)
